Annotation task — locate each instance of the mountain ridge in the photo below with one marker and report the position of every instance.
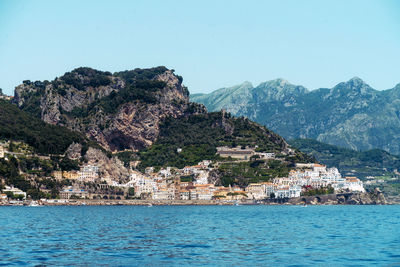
(351, 114)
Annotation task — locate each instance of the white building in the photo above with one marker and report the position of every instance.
(15, 191)
(89, 173)
(265, 155)
(354, 184)
(202, 178)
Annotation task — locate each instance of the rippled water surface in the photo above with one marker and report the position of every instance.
(201, 235)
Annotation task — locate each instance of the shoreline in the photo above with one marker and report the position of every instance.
(148, 203)
(371, 198)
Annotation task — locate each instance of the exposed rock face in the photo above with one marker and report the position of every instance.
(85, 100)
(369, 198)
(109, 167)
(372, 198)
(74, 151)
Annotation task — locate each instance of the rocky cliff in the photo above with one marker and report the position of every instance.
(375, 197)
(120, 111)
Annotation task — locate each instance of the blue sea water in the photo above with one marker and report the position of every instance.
(200, 235)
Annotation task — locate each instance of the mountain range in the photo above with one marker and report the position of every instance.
(351, 114)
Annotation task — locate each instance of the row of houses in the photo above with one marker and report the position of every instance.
(88, 173)
(168, 183)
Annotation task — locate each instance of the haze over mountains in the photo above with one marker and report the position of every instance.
(351, 114)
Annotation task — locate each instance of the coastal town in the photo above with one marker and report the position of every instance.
(194, 182)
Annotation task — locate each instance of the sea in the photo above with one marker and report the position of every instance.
(200, 236)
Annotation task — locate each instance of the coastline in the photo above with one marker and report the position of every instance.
(331, 199)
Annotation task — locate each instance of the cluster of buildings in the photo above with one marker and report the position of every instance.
(305, 176)
(13, 192)
(87, 173)
(192, 182)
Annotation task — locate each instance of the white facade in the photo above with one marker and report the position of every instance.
(88, 173)
(14, 190)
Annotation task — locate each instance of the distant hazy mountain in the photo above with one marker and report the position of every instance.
(351, 114)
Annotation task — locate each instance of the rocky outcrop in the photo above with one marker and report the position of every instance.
(375, 197)
(111, 168)
(84, 100)
(74, 151)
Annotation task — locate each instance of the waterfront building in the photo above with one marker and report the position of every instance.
(202, 192)
(15, 191)
(354, 184)
(184, 194)
(282, 192)
(70, 191)
(256, 191)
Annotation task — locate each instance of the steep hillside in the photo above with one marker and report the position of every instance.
(120, 111)
(352, 114)
(44, 138)
(198, 136)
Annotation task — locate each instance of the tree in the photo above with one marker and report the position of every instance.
(272, 195)
(131, 191)
(9, 194)
(19, 197)
(11, 146)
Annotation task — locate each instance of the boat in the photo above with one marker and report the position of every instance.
(34, 204)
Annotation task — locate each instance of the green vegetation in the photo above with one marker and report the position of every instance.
(126, 157)
(198, 136)
(44, 138)
(187, 178)
(131, 191)
(83, 77)
(32, 104)
(139, 86)
(236, 194)
(318, 191)
(10, 174)
(243, 173)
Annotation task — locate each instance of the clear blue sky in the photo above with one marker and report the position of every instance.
(212, 44)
